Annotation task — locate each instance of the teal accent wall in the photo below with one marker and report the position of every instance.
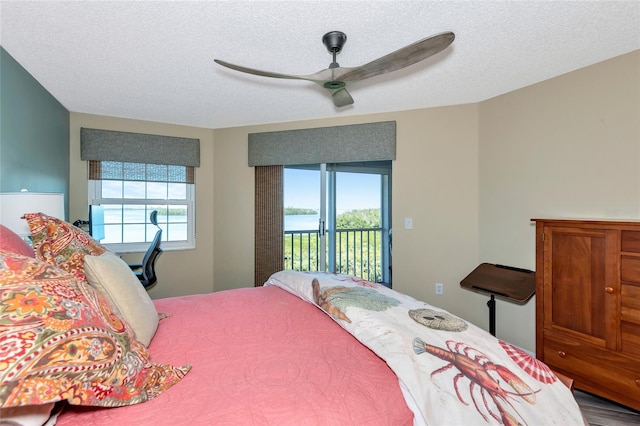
(34, 133)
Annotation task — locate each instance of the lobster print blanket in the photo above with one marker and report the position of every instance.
(450, 371)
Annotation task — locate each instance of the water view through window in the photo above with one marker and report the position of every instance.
(355, 191)
(127, 223)
(301, 222)
(355, 237)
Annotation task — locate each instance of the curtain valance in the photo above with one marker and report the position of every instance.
(337, 144)
(110, 145)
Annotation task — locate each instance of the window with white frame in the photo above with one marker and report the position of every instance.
(133, 174)
(129, 192)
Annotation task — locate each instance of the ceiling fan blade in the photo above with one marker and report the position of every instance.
(259, 72)
(335, 79)
(401, 58)
(341, 98)
(319, 77)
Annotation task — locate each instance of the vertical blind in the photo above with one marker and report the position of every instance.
(269, 222)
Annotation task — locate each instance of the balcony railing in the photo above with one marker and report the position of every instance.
(357, 252)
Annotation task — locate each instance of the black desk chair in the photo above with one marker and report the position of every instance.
(145, 271)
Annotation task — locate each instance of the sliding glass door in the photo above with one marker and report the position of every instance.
(337, 219)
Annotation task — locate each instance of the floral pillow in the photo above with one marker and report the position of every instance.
(60, 340)
(61, 244)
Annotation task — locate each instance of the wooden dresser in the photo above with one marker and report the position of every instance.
(588, 304)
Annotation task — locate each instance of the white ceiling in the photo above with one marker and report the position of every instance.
(154, 60)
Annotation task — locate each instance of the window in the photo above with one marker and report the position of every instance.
(337, 218)
(129, 192)
(133, 174)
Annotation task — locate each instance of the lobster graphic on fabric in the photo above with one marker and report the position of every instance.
(484, 374)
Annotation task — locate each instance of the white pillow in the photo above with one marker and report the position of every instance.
(112, 277)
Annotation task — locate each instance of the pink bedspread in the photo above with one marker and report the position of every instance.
(260, 356)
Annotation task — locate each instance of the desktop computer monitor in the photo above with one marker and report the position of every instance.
(96, 222)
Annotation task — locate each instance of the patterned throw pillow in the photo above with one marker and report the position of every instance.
(60, 340)
(61, 244)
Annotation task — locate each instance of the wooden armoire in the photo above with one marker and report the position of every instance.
(588, 304)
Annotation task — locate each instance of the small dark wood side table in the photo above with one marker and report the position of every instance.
(512, 284)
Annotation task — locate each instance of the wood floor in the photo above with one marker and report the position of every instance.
(600, 412)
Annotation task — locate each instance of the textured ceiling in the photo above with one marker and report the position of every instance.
(154, 60)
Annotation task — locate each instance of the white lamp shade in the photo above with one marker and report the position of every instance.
(13, 205)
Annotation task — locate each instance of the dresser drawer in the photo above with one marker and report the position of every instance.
(597, 370)
(630, 303)
(630, 319)
(630, 339)
(630, 269)
(630, 241)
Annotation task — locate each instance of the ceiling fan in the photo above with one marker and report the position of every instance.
(337, 78)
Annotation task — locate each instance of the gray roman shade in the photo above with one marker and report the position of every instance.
(337, 144)
(109, 145)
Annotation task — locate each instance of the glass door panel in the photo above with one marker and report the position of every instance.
(349, 203)
(304, 216)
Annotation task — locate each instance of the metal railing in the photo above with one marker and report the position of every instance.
(357, 252)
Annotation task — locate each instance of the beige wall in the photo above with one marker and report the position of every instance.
(471, 177)
(434, 182)
(179, 272)
(567, 147)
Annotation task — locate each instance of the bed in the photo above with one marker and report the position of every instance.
(304, 349)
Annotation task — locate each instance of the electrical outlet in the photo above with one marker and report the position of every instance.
(439, 288)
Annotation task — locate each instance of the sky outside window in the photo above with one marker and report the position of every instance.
(354, 190)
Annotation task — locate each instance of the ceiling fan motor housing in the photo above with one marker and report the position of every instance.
(334, 41)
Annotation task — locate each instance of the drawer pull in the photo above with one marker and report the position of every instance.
(637, 382)
(608, 289)
(562, 354)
